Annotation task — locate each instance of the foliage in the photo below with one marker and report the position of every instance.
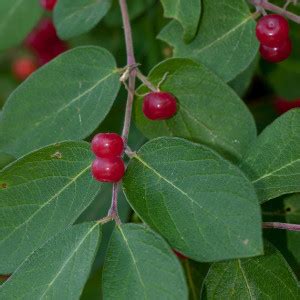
(200, 183)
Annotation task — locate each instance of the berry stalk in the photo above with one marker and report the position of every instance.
(284, 226)
(266, 5)
(113, 211)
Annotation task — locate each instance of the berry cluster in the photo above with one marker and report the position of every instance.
(159, 106)
(44, 42)
(108, 166)
(273, 33)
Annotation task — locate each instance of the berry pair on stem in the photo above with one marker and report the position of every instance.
(273, 33)
(108, 165)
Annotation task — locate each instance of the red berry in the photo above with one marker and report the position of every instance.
(108, 169)
(179, 255)
(276, 54)
(107, 145)
(48, 4)
(282, 105)
(159, 106)
(272, 30)
(23, 67)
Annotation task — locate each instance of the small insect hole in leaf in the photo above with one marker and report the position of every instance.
(57, 155)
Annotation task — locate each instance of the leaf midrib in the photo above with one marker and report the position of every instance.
(47, 203)
(68, 259)
(134, 261)
(233, 29)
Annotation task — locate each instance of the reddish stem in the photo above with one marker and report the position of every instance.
(284, 226)
(113, 212)
(265, 4)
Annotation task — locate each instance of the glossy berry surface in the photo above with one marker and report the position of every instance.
(107, 145)
(272, 30)
(108, 169)
(159, 106)
(276, 54)
(48, 4)
(23, 67)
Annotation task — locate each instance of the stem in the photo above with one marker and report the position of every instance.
(132, 74)
(113, 212)
(145, 81)
(265, 4)
(284, 226)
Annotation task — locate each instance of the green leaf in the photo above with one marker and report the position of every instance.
(65, 99)
(206, 109)
(140, 265)
(225, 41)
(17, 18)
(41, 194)
(5, 159)
(292, 209)
(273, 162)
(202, 204)
(187, 13)
(242, 82)
(263, 277)
(57, 270)
(74, 17)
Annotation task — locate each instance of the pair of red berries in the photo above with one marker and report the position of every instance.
(273, 33)
(44, 42)
(109, 165)
(48, 4)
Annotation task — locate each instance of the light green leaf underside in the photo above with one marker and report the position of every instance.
(186, 12)
(57, 270)
(66, 99)
(263, 277)
(17, 18)
(202, 204)
(273, 162)
(140, 265)
(74, 17)
(225, 41)
(41, 194)
(205, 109)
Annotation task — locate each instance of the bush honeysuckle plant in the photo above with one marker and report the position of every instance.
(119, 185)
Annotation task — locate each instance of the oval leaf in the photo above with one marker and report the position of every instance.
(145, 265)
(41, 194)
(273, 162)
(263, 277)
(66, 99)
(17, 18)
(59, 269)
(206, 106)
(225, 42)
(202, 204)
(186, 12)
(74, 17)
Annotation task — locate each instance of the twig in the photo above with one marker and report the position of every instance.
(145, 81)
(113, 212)
(284, 226)
(266, 5)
